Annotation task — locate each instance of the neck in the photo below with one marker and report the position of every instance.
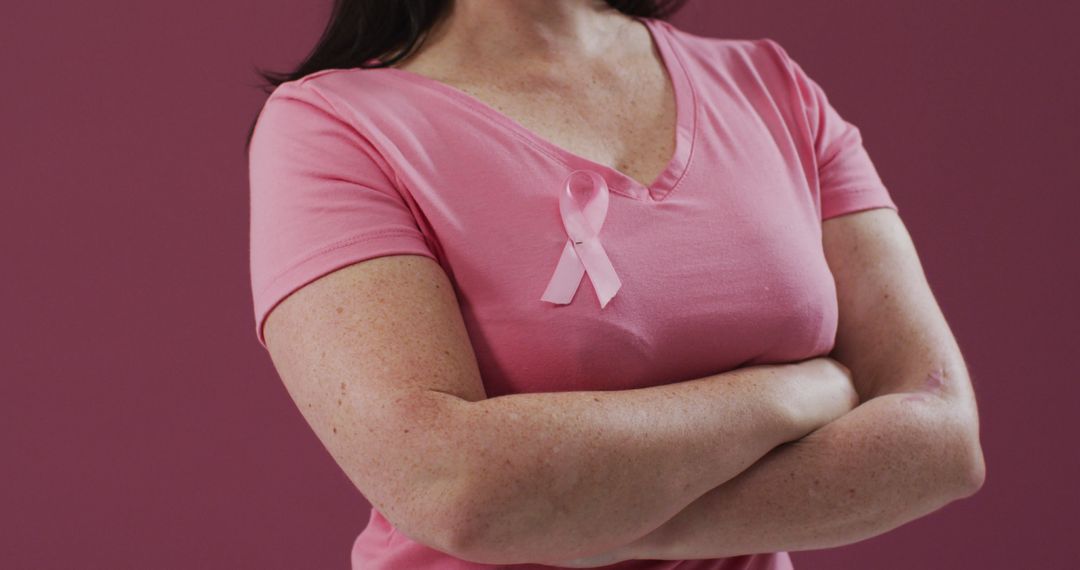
(526, 32)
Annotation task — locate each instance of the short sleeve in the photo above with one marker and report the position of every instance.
(321, 198)
(848, 181)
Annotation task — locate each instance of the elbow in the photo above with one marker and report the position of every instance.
(464, 521)
(975, 473)
(432, 517)
(468, 534)
(970, 465)
(431, 494)
(458, 530)
(449, 524)
(481, 528)
(462, 514)
(466, 545)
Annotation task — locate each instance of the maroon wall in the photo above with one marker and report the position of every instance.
(145, 428)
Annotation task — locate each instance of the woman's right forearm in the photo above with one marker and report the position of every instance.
(571, 472)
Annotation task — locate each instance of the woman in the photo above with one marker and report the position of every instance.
(564, 284)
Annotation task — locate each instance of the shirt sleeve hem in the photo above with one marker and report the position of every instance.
(347, 252)
(855, 201)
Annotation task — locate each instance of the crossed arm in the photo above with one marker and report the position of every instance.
(908, 449)
(450, 468)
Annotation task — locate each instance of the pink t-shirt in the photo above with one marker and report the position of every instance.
(719, 258)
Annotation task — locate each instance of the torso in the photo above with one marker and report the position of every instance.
(612, 113)
(721, 263)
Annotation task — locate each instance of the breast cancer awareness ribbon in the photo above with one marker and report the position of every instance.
(583, 252)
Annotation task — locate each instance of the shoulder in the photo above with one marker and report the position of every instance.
(338, 90)
(354, 102)
(316, 120)
(739, 59)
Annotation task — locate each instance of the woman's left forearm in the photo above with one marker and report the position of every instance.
(891, 460)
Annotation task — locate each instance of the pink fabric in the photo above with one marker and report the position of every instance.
(720, 257)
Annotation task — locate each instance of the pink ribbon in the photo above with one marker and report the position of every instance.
(583, 252)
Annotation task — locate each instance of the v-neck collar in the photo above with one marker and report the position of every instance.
(686, 122)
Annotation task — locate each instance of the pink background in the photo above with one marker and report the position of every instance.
(144, 427)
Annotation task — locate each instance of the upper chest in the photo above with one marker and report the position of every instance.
(623, 117)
